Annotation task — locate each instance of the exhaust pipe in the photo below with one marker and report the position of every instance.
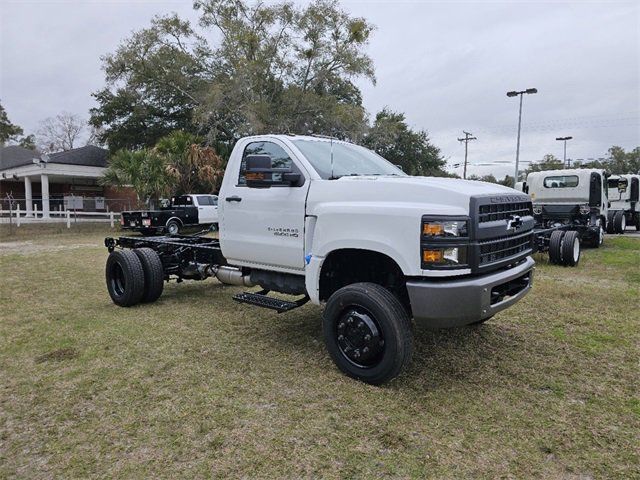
(232, 276)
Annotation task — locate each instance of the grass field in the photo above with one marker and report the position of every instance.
(196, 386)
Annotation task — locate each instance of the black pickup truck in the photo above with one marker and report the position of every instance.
(183, 211)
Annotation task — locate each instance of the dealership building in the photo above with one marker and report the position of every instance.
(68, 180)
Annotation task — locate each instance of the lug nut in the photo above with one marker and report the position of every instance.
(360, 325)
(356, 354)
(350, 320)
(367, 337)
(365, 350)
(340, 337)
(341, 325)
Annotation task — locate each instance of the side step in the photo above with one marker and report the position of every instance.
(260, 299)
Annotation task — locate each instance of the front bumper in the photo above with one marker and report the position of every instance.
(455, 303)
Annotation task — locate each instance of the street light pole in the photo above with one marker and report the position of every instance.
(564, 159)
(514, 94)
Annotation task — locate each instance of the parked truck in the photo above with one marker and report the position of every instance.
(335, 224)
(625, 203)
(183, 211)
(570, 207)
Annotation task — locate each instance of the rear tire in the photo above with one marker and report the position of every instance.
(571, 249)
(153, 274)
(173, 227)
(367, 332)
(619, 222)
(125, 278)
(555, 247)
(610, 227)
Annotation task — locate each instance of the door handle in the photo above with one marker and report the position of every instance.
(235, 198)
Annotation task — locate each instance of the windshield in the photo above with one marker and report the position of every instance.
(348, 159)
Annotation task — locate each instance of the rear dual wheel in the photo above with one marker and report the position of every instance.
(134, 276)
(564, 248)
(619, 222)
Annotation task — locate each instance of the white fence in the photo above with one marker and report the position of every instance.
(57, 216)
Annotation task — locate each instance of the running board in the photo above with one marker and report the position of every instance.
(260, 299)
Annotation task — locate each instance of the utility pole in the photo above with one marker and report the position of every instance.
(467, 138)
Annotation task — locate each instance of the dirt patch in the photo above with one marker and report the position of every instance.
(58, 355)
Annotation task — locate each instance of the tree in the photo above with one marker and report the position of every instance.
(178, 164)
(28, 142)
(391, 137)
(8, 131)
(143, 170)
(190, 166)
(277, 67)
(618, 162)
(59, 133)
(548, 162)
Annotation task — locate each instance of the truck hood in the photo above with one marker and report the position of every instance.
(433, 195)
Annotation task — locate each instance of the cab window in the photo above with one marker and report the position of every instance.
(279, 158)
(564, 181)
(183, 200)
(204, 200)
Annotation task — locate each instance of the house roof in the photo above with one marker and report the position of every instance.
(91, 156)
(16, 156)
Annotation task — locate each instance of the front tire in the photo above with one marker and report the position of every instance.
(125, 278)
(367, 332)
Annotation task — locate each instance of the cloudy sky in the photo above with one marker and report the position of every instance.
(447, 65)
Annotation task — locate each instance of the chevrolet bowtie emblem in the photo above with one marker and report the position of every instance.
(514, 223)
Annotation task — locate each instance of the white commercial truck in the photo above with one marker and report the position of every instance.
(565, 201)
(333, 223)
(624, 193)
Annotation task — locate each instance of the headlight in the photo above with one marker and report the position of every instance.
(443, 257)
(444, 228)
(444, 242)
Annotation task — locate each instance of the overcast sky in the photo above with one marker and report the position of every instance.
(447, 65)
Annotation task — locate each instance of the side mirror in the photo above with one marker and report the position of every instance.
(259, 173)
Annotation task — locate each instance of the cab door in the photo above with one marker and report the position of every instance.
(264, 227)
(207, 209)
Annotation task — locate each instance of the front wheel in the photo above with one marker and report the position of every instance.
(367, 332)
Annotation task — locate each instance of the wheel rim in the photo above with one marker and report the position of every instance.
(172, 228)
(623, 225)
(600, 236)
(359, 338)
(576, 250)
(118, 281)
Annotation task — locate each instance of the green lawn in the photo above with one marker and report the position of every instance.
(196, 385)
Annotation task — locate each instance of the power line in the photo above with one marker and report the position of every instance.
(467, 138)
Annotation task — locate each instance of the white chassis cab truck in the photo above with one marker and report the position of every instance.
(569, 200)
(333, 223)
(624, 191)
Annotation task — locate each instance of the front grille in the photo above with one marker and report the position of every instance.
(502, 211)
(502, 248)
